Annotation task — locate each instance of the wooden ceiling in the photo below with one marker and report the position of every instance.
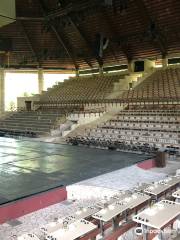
(62, 33)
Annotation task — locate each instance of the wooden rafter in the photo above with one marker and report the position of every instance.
(66, 46)
(146, 18)
(59, 37)
(114, 33)
(28, 39)
(35, 19)
(79, 6)
(86, 41)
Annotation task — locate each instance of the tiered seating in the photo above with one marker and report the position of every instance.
(162, 85)
(33, 123)
(135, 130)
(81, 88)
(151, 204)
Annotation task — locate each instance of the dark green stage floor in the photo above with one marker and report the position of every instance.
(28, 167)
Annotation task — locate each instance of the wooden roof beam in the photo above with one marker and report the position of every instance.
(61, 12)
(64, 43)
(79, 6)
(146, 18)
(88, 62)
(36, 19)
(86, 41)
(29, 41)
(114, 33)
(59, 37)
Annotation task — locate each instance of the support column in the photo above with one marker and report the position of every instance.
(77, 72)
(2, 90)
(101, 70)
(149, 65)
(130, 66)
(164, 62)
(40, 80)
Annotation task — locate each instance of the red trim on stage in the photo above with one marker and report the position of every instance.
(147, 164)
(30, 204)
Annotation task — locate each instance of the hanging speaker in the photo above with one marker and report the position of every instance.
(139, 66)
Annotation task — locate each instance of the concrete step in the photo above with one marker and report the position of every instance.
(37, 115)
(19, 128)
(42, 121)
(32, 118)
(26, 124)
(23, 132)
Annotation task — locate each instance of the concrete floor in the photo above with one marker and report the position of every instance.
(28, 167)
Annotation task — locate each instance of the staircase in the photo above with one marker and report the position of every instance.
(123, 83)
(81, 130)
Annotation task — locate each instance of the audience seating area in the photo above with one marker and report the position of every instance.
(135, 130)
(87, 88)
(33, 123)
(162, 85)
(153, 206)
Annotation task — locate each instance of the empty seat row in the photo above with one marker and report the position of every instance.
(115, 132)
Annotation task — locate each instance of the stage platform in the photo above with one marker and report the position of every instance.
(28, 167)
